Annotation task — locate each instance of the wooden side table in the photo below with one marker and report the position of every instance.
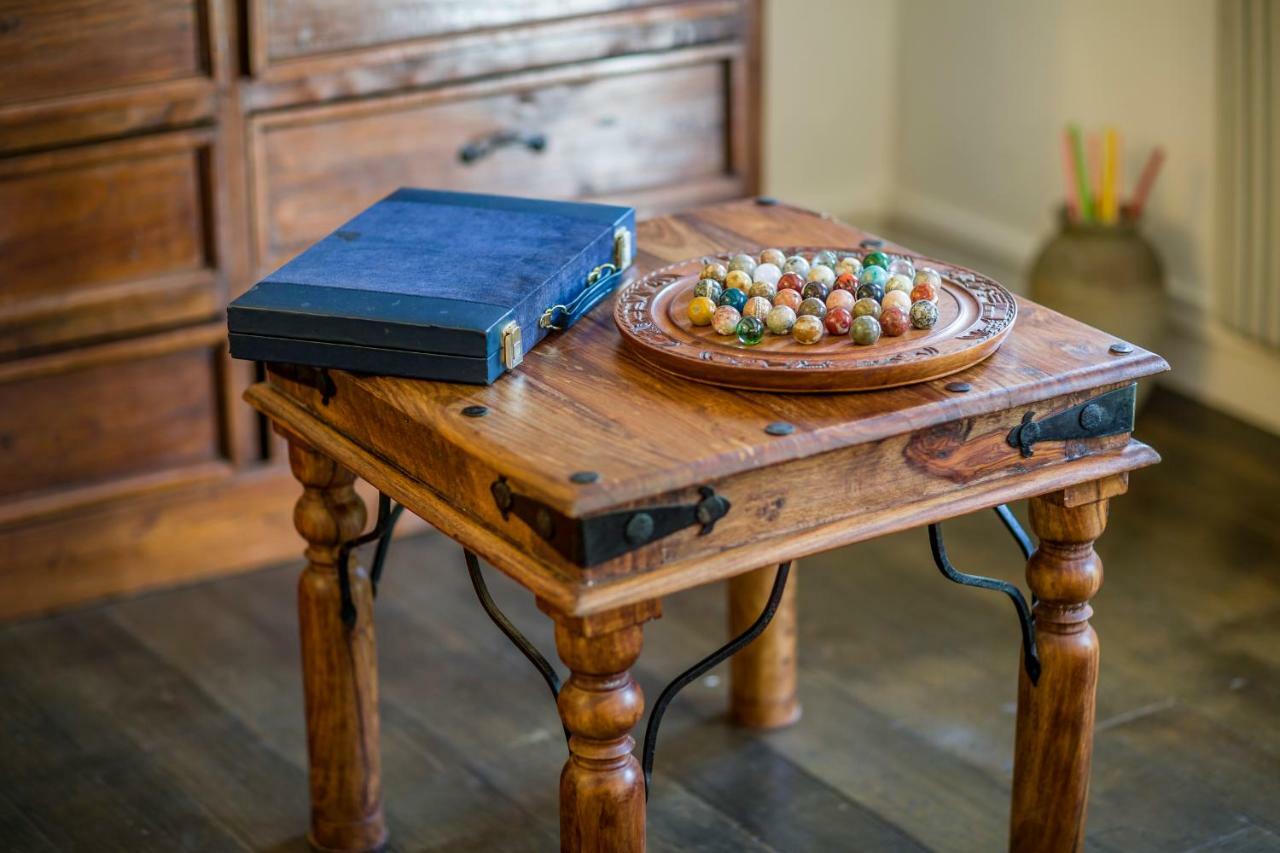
(601, 488)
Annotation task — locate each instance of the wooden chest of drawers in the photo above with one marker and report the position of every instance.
(157, 156)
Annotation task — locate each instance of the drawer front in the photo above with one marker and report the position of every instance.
(103, 240)
(549, 137)
(50, 48)
(288, 29)
(108, 419)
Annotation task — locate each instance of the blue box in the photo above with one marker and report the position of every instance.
(436, 285)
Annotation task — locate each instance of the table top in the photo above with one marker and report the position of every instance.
(581, 403)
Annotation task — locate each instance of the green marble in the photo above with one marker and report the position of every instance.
(876, 259)
(751, 330)
(812, 307)
(865, 330)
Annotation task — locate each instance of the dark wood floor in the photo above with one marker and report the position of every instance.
(174, 721)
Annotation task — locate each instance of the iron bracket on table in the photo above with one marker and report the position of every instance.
(382, 530)
(597, 538)
(1026, 618)
(684, 679)
(1108, 414)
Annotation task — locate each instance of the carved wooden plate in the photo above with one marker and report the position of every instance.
(975, 315)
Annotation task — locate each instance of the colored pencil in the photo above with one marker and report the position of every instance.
(1093, 149)
(1109, 176)
(1069, 174)
(1082, 178)
(1143, 189)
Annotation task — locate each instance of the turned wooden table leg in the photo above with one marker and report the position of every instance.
(762, 677)
(1054, 740)
(602, 799)
(339, 665)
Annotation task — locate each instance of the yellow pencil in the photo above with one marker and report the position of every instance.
(1110, 152)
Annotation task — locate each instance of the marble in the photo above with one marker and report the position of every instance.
(767, 272)
(816, 290)
(700, 311)
(733, 296)
(773, 256)
(846, 281)
(808, 329)
(757, 306)
(876, 259)
(902, 266)
(812, 307)
(873, 275)
(738, 279)
(822, 273)
(871, 290)
(763, 288)
(714, 269)
(865, 331)
(840, 299)
(709, 288)
(838, 321)
(725, 320)
(928, 275)
(898, 282)
(797, 264)
(926, 291)
(866, 307)
(746, 263)
(849, 265)
(896, 299)
(789, 298)
(894, 321)
(924, 314)
(826, 257)
(780, 319)
(791, 281)
(751, 330)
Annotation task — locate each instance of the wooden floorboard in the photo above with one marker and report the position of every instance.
(173, 721)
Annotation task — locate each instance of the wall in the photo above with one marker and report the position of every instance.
(829, 113)
(974, 101)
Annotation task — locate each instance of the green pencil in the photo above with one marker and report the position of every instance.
(1082, 176)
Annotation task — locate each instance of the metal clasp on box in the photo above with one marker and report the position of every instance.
(622, 256)
(512, 345)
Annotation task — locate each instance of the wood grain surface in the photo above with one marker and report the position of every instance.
(762, 676)
(339, 664)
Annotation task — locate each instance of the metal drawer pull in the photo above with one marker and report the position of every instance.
(481, 148)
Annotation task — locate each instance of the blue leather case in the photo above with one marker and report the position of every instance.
(435, 285)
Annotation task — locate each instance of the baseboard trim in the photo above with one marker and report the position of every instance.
(1222, 369)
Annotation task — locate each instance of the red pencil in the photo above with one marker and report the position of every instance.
(1143, 189)
(1069, 174)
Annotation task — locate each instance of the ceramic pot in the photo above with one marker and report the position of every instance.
(1108, 276)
